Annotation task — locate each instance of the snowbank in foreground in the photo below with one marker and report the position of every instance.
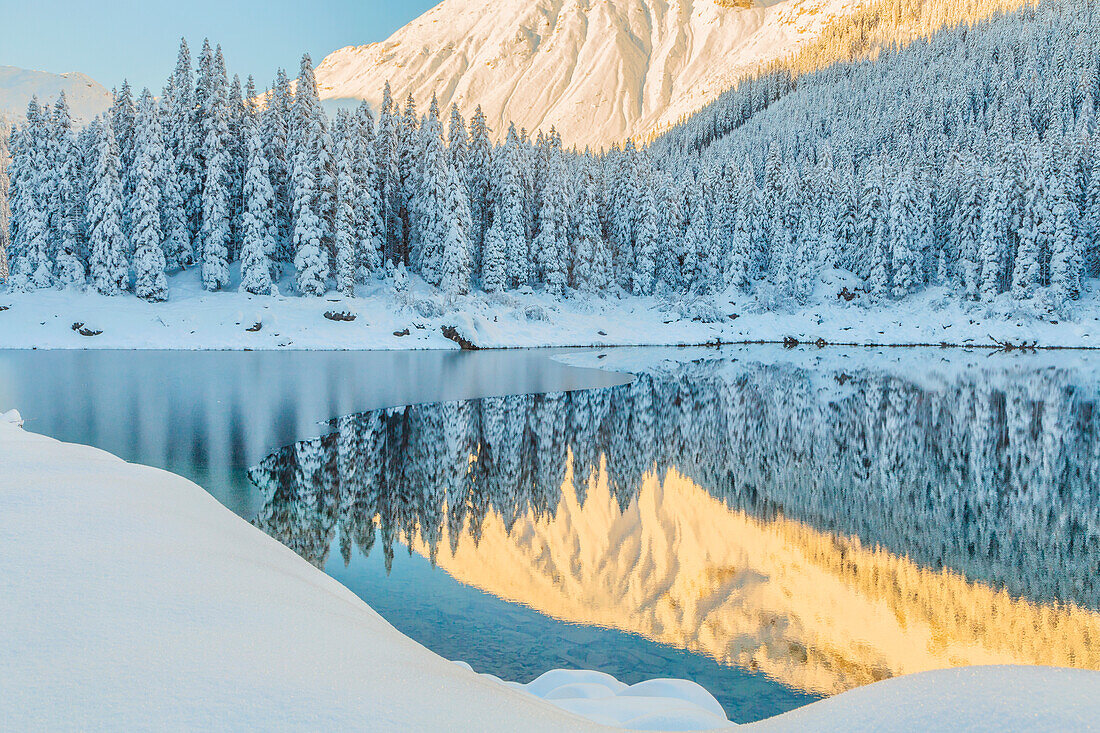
(194, 319)
(131, 598)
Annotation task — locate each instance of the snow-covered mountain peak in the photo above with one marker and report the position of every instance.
(86, 97)
(598, 70)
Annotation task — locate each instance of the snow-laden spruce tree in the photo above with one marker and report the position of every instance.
(458, 145)
(258, 223)
(66, 202)
(589, 273)
(494, 260)
(457, 264)
(389, 176)
(479, 173)
(645, 243)
(347, 198)
(967, 229)
(310, 260)
(994, 231)
(216, 210)
(109, 270)
(313, 176)
(905, 234)
(239, 114)
(430, 203)
(511, 209)
(550, 246)
(370, 234)
(149, 280)
(178, 254)
(1036, 234)
(31, 261)
(276, 136)
(181, 213)
(410, 143)
(121, 116)
(1065, 259)
(5, 207)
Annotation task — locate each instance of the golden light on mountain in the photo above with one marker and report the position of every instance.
(819, 612)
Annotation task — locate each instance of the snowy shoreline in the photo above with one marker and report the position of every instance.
(206, 607)
(196, 320)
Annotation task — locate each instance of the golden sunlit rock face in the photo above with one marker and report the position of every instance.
(818, 612)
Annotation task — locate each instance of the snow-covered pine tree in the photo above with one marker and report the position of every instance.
(994, 224)
(5, 207)
(122, 114)
(150, 282)
(1036, 234)
(310, 261)
(66, 202)
(905, 233)
(386, 156)
(457, 264)
(966, 225)
(216, 192)
(174, 179)
(428, 201)
(479, 171)
(237, 156)
(510, 209)
(276, 131)
(645, 242)
(458, 145)
(409, 169)
(259, 228)
(108, 270)
(182, 211)
(347, 198)
(313, 168)
(31, 256)
(494, 260)
(550, 246)
(1065, 259)
(370, 233)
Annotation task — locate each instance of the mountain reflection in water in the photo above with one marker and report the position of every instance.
(827, 529)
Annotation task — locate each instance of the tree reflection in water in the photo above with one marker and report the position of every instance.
(826, 528)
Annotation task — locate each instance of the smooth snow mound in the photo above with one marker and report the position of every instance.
(129, 594)
(658, 704)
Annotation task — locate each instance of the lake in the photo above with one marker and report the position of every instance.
(777, 525)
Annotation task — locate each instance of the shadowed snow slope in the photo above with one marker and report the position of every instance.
(597, 70)
(132, 599)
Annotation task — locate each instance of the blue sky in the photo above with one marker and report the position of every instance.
(137, 39)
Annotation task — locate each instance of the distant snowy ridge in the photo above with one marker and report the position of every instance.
(87, 97)
(598, 71)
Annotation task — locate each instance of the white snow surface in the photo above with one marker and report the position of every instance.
(195, 319)
(86, 97)
(131, 598)
(598, 71)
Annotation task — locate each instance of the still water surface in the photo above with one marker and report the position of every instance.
(778, 526)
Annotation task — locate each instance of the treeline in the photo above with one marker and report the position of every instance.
(992, 475)
(968, 160)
